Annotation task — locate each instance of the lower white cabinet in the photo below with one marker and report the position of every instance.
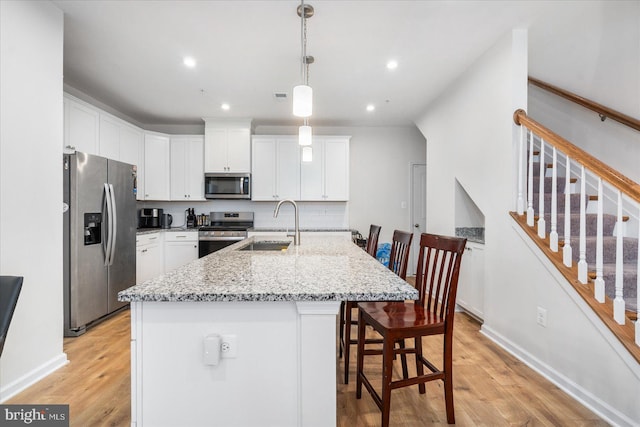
(470, 294)
(180, 248)
(149, 256)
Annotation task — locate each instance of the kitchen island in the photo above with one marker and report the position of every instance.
(277, 309)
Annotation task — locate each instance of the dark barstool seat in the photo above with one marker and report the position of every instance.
(9, 291)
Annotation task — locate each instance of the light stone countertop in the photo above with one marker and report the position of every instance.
(141, 231)
(322, 268)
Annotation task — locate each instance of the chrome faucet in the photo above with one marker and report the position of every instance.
(296, 236)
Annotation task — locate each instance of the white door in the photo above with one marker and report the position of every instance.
(418, 211)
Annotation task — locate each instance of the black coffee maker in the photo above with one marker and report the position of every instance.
(150, 218)
(192, 220)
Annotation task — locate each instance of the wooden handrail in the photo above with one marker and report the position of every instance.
(603, 111)
(608, 174)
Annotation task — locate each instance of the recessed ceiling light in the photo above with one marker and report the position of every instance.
(225, 106)
(371, 107)
(189, 62)
(392, 65)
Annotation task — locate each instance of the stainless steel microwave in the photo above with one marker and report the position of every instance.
(227, 186)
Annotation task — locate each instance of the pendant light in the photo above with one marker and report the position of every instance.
(303, 94)
(305, 136)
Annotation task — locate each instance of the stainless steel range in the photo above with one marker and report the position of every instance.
(225, 228)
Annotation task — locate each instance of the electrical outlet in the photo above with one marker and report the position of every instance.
(542, 317)
(228, 347)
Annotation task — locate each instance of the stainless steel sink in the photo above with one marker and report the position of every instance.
(267, 245)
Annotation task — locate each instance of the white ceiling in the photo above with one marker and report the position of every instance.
(128, 55)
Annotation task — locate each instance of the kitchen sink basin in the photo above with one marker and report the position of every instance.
(267, 245)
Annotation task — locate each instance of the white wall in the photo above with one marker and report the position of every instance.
(469, 132)
(598, 59)
(31, 40)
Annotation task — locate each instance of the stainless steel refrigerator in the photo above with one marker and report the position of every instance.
(99, 237)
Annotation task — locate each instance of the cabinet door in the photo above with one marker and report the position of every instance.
(194, 168)
(336, 169)
(312, 174)
(109, 138)
(178, 254)
(238, 150)
(288, 169)
(178, 189)
(215, 150)
(130, 141)
(141, 169)
(470, 295)
(157, 167)
(263, 169)
(81, 127)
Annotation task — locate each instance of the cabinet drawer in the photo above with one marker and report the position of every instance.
(147, 239)
(182, 236)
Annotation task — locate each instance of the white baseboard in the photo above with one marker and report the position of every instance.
(585, 397)
(27, 380)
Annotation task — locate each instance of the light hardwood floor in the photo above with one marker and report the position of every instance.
(491, 387)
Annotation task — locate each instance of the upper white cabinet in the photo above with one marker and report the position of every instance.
(275, 168)
(187, 172)
(227, 146)
(157, 153)
(109, 142)
(81, 126)
(326, 177)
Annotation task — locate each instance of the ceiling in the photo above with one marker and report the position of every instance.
(129, 56)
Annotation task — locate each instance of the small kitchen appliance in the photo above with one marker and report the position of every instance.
(166, 221)
(150, 218)
(227, 186)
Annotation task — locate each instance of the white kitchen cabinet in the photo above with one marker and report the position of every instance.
(149, 256)
(470, 294)
(326, 177)
(81, 126)
(131, 140)
(157, 151)
(180, 248)
(187, 171)
(227, 146)
(109, 142)
(275, 168)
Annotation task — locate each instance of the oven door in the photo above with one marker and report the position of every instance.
(212, 244)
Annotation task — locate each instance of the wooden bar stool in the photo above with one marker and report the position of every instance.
(347, 307)
(399, 256)
(432, 314)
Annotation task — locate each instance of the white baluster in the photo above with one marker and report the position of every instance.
(521, 161)
(553, 235)
(638, 287)
(530, 212)
(541, 222)
(582, 262)
(599, 283)
(618, 302)
(567, 252)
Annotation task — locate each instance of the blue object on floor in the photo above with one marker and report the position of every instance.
(383, 253)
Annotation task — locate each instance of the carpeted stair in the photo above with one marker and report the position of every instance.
(630, 245)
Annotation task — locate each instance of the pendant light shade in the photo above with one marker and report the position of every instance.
(304, 135)
(307, 154)
(302, 101)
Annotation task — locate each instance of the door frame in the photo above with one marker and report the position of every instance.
(413, 257)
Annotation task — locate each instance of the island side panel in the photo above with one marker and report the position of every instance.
(317, 363)
(258, 387)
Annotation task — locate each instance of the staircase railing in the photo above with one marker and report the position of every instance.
(603, 111)
(578, 181)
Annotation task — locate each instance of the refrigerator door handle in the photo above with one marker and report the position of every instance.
(107, 196)
(114, 223)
